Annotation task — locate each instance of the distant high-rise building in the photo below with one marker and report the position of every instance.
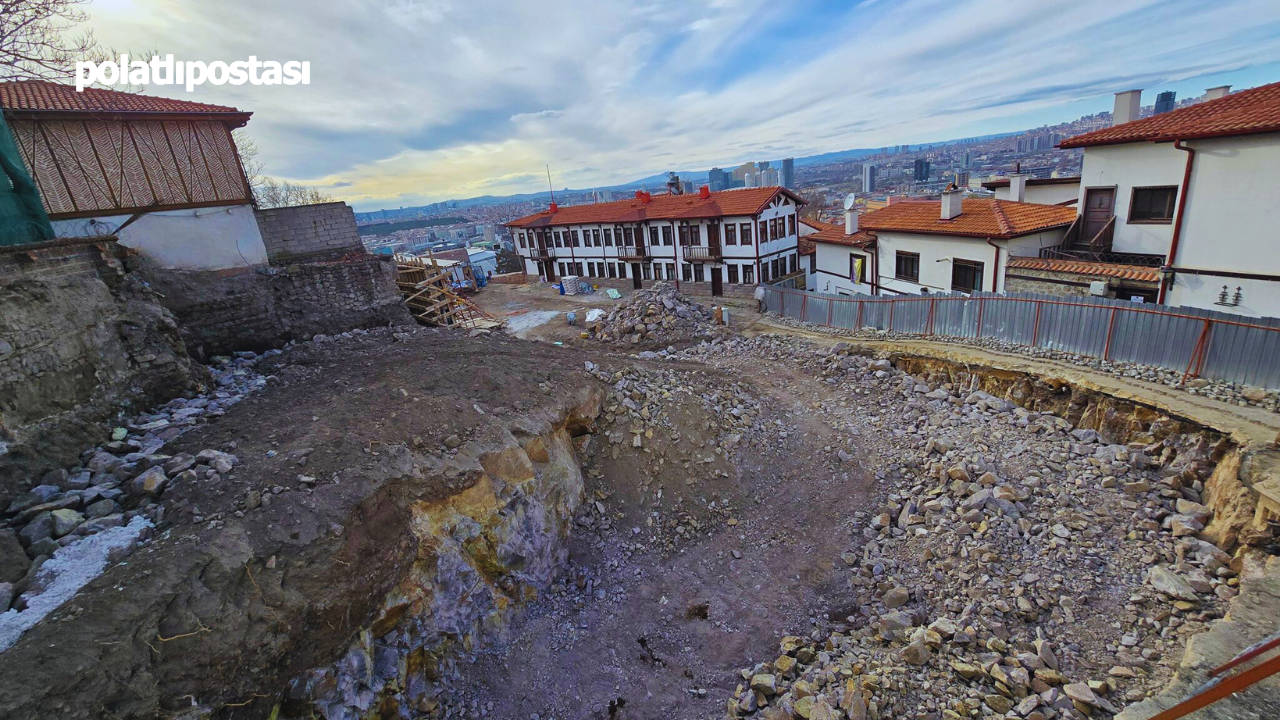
(966, 159)
(1165, 101)
(717, 179)
(921, 172)
(868, 178)
(789, 173)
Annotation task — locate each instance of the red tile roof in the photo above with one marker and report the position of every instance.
(1004, 182)
(39, 96)
(1081, 267)
(745, 201)
(835, 235)
(979, 218)
(1242, 113)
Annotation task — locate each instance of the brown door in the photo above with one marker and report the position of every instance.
(550, 267)
(635, 275)
(713, 237)
(717, 288)
(1099, 207)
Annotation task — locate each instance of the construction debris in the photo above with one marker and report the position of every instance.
(428, 290)
(657, 315)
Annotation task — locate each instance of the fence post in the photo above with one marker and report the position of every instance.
(1111, 326)
(804, 303)
(1035, 329)
(857, 321)
(891, 306)
(831, 306)
(982, 303)
(1197, 353)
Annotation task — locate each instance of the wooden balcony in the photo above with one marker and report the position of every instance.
(633, 252)
(700, 253)
(537, 253)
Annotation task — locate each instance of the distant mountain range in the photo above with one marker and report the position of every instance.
(697, 177)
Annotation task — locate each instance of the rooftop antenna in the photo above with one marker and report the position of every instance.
(549, 187)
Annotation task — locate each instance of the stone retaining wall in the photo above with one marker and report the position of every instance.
(308, 232)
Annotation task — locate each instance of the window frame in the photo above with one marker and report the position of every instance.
(733, 274)
(957, 263)
(744, 237)
(1173, 205)
(748, 274)
(731, 234)
(898, 257)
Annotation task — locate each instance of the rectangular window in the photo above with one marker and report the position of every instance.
(562, 272)
(595, 237)
(813, 264)
(522, 244)
(608, 237)
(695, 234)
(697, 273)
(966, 275)
(906, 266)
(666, 234)
(647, 269)
(748, 274)
(777, 270)
(575, 238)
(626, 236)
(622, 270)
(653, 236)
(791, 259)
(686, 272)
(684, 235)
(1152, 204)
(791, 224)
(764, 231)
(857, 268)
(733, 274)
(730, 234)
(613, 272)
(746, 233)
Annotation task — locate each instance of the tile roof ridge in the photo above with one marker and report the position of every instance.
(997, 208)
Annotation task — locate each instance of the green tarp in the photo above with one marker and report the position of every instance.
(22, 217)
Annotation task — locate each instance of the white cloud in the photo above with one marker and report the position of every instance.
(427, 99)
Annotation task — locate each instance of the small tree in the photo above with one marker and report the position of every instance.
(37, 39)
(269, 192)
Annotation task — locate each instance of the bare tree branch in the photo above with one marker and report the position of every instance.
(37, 42)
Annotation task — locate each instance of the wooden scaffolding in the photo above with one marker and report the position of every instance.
(428, 290)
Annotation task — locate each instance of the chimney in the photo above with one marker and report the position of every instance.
(704, 192)
(1018, 187)
(554, 207)
(850, 221)
(1128, 107)
(644, 196)
(1214, 93)
(952, 204)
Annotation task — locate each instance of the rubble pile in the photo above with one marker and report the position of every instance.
(116, 485)
(659, 315)
(1013, 565)
(1234, 393)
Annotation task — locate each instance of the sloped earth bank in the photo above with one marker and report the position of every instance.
(429, 525)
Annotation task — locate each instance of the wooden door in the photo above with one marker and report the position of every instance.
(635, 276)
(713, 237)
(717, 287)
(1099, 208)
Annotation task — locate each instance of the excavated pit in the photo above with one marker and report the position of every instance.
(495, 528)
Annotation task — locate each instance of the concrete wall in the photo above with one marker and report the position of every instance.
(1230, 224)
(309, 232)
(212, 238)
(259, 310)
(1125, 167)
(80, 340)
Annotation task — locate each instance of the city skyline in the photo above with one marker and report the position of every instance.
(477, 103)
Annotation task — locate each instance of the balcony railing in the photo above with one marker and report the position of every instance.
(699, 253)
(633, 252)
(539, 253)
(1063, 252)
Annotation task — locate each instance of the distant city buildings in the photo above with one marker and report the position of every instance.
(868, 178)
(921, 170)
(789, 173)
(1164, 102)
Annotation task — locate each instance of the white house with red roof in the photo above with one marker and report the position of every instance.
(954, 244)
(1190, 195)
(728, 238)
(161, 175)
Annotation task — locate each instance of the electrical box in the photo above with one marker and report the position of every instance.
(1098, 288)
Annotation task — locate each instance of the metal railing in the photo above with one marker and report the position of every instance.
(633, 252)
(1193, 341)
(700, 253)
(1064, 252)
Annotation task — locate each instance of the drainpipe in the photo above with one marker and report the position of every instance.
(995, 275)
(1166, 276)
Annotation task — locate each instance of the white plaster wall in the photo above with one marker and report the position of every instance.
(1126, 167)
(936, 252)
(833, 270)
(214, 238)
(1259, 298)
(1044, 194)
(1029, 245)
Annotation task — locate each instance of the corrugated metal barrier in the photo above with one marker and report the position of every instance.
(1193, 341)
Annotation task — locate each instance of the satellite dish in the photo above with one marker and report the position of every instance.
(849, 201)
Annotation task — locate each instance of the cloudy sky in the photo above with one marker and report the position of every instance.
(415, 101)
